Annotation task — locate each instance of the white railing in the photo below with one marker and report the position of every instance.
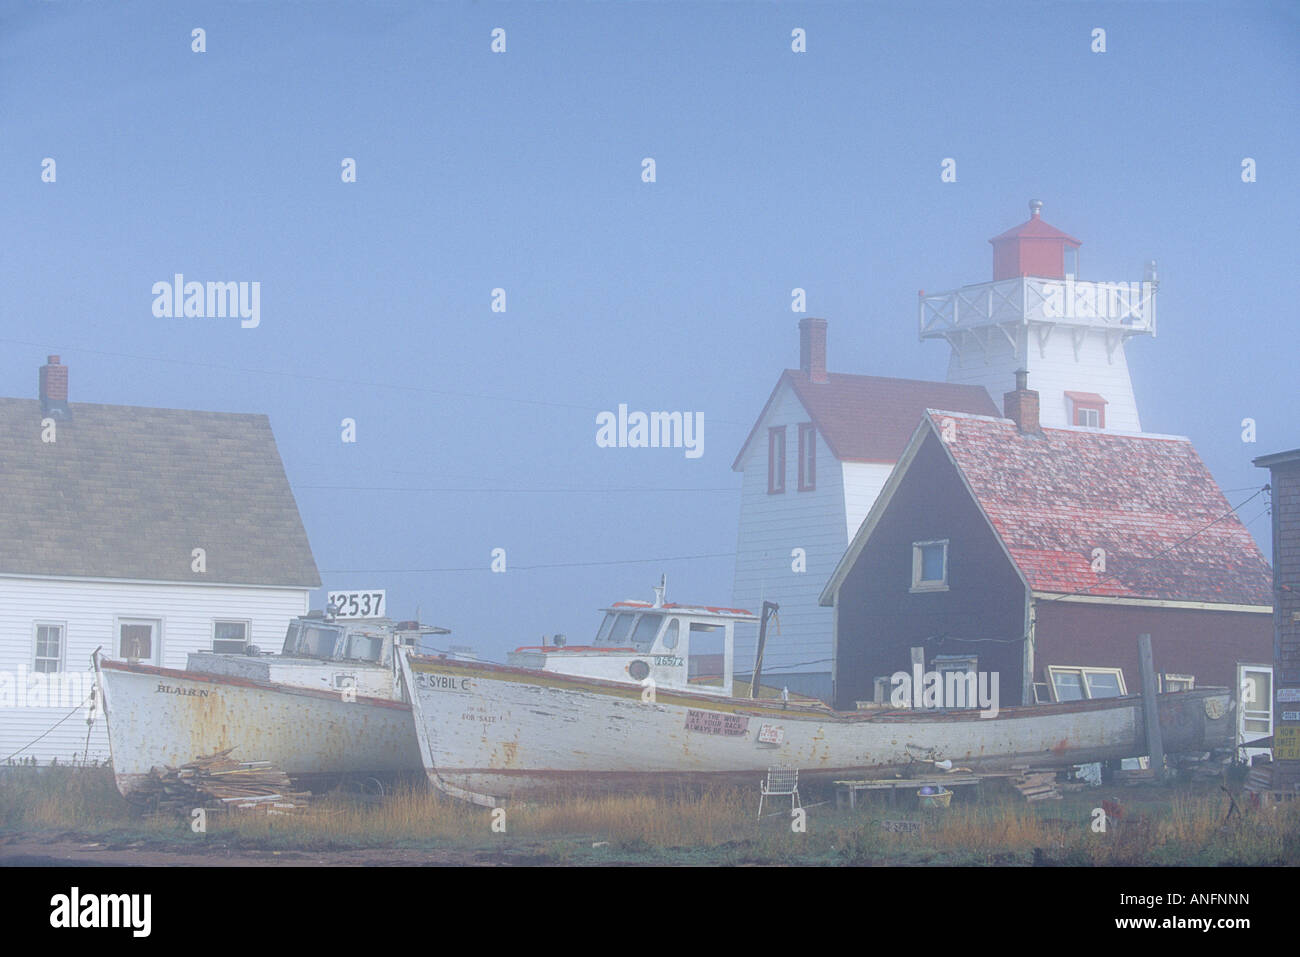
(1126, 307)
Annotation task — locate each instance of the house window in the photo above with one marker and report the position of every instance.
(230, 637)
(138, 638)
(1076, 683)
(930, 566)
(776, 460)
(807, 457)
(49, 648)
(1087, 409)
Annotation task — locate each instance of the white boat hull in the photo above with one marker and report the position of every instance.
(160, 717)
(491, 732)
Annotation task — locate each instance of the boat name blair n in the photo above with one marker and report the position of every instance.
(184, 692)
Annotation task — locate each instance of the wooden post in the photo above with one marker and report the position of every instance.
(1150, 707)
(769, 609)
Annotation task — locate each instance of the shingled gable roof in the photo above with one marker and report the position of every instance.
(128, 493)
(867, 418)
(1148, 500)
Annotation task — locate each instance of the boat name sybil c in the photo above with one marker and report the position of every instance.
(443, 682)
(710, 722)
(184, 692)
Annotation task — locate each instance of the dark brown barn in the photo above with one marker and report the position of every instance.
(1043, 554)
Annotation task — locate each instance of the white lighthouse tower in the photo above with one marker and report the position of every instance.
(1039, 315)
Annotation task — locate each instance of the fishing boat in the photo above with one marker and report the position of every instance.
(651, 700)
(328, 705)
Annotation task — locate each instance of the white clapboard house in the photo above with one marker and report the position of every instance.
(813, 464)
(150, 533)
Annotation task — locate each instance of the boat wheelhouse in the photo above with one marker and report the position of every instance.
(661, 644)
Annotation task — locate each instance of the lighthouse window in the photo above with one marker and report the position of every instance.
(1071, 262)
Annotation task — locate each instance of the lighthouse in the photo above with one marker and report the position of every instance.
(1040, 316)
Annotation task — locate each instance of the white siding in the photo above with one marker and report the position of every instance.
(863, 482)
(1053, 370)
(771, 527)
(88, 610)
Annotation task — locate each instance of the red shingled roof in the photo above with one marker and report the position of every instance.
(867, 418)
(1147, 500)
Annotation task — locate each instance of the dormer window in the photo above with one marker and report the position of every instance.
(1087, 409)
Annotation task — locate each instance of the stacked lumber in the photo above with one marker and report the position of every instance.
(219, 782)
(1037, 785)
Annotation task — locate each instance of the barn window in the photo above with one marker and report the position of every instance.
(49, 648)
(930, 566)
(776, 460)
(229, 637)
(1078, 683)
(807, 457)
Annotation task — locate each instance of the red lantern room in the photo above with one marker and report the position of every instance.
(1035, 249)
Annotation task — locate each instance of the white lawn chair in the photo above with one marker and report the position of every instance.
(780, 782)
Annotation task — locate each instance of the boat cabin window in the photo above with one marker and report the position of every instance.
(706, 654)
(363, 647)
(671, 634)
(319, 641)
(619, 628)
(647, 628)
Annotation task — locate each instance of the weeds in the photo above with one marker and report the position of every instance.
(1175, 825)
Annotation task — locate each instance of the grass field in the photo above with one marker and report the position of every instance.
(1177, 824)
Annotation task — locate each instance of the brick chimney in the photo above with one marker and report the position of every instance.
(54, 388)
(812, 348)
(1021, 405)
